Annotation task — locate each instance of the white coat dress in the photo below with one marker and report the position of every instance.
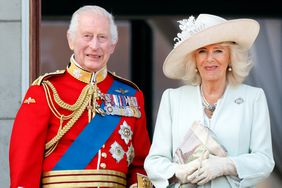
(240, 122)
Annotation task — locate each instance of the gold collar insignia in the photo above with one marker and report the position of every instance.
(80, 74)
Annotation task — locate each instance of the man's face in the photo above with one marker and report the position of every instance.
(92, 43)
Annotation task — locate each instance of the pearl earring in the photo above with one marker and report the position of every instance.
(196, 70)
(229, 69)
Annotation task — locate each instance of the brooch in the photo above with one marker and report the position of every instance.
(130, 154)
(117, 151)
(239, 100)
(125, 132)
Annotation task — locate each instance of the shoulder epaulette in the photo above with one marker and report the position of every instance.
(40, 79)
(124, 80)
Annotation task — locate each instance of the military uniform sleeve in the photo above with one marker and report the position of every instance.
(141, 143)
(28, 139)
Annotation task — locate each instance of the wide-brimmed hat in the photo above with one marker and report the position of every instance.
(205, 30)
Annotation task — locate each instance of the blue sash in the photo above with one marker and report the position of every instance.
(92, 137)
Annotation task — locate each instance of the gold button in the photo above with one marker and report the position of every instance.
(103, 165)
(104, 155)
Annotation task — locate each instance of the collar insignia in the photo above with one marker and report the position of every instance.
(83, 75)
(76, 73)
(29, 100)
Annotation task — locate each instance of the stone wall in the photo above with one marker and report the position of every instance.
(10, 77)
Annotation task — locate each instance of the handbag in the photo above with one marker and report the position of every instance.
(198, 140)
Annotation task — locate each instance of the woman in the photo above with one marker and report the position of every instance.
(211, 55)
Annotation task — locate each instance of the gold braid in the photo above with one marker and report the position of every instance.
(64, 105)
(77, 110)
(52, 106)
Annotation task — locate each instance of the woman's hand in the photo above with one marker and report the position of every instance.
(184, 170)
(133, 185)
(212, 168)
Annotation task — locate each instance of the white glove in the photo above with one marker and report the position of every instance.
(133, 185)
(184, 170)
(212, 168)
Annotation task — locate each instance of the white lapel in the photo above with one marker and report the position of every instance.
(189, 110)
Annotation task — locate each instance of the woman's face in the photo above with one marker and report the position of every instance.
(212, 62)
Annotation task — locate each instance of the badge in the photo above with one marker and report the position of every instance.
(121, 91)
(130, 154)
(117, 151)
(76, 73)
(29, 100)
(239, 100)
(125, 132)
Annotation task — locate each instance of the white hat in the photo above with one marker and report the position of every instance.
(205, 30)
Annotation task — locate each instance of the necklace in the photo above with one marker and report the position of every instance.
(208, 108)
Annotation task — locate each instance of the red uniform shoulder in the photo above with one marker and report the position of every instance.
(128, 82)
(40, 79)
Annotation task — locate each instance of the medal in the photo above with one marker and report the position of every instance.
(117, 151)
(121, 105)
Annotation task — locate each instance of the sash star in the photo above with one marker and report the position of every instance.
(125, 132)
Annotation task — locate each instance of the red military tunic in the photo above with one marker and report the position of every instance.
(36, 124)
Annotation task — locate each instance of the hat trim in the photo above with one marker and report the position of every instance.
(241, 31)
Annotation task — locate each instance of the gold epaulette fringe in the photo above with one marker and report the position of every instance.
(40, 79)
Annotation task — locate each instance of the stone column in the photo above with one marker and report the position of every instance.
(10, 77)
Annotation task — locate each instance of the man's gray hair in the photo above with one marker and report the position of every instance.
(97, 10)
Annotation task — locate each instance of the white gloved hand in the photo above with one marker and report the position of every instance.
(184, 170)
(133, 185)
(212, 168)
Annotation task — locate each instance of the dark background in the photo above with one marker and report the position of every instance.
(269, 8)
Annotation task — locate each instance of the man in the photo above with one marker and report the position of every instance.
(84, 126)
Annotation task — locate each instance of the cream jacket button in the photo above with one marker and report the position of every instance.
(103, 165)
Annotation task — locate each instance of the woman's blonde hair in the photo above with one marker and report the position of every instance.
(240, 63)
